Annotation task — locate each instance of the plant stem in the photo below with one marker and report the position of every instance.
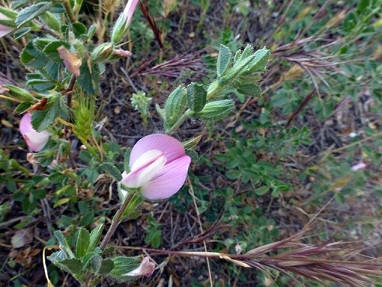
(48, 30)
(69, 11)
(116, 221)
(187, 114)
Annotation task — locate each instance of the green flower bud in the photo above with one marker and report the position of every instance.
(102, 53)
(123, 22)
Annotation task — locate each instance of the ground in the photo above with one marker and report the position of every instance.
(188, 49)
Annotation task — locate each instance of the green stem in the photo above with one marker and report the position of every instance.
(215, 91)
(117, 219)
(187, 114)
(48, 30)
(69, 11)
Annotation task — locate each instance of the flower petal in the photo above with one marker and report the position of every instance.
(146, 268)
(35, 140)
(144, 169)
(4, 30)
(168, 181)
(169, 146)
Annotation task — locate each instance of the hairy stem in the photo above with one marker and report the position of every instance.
(186, 115)
(68, 10)
(116, 221)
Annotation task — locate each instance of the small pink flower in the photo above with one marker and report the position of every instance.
(358, 166)
(123, 21)
(145, 269)
(35, 140)
(5, 30)
(158, 166)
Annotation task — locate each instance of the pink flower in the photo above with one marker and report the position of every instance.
(158, 166)
(5, 30)
(123, 21)
(35, 140)
(358, 166)
(129, 11)
(145, 269)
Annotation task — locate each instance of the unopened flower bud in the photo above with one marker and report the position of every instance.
(122, 53)
(102, 53)
(123, 21)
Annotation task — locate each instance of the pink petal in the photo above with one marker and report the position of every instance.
(129, 10)
(169, 180)
(35, 140)
(358, 166)
(169, 146)
(146, 268)
(5, 30)
(144, 169)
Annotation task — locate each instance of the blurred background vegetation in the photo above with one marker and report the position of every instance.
(282, 161)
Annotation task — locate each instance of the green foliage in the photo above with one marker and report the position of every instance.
(154, 234)
(196, 97)
(266, 157)
(224, 59)
(141, 103)
(175, 106)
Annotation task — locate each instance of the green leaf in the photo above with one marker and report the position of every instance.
(259, 62)
(96, 262)
(40, 84)
(233, 174)
(79, 29)
(51, 20)
(32, 57)
(106, 266)
(89, 80)
(23, 107)
(133, 205)
(123, 265)
(44, 118)
(20, 94)
(95, 236)
(9, 14)
(57, 257)
(262, 190)
(175, 106)
(64, 244)
(224, 59)
(19, 3)
(52, 71)
(217, 110)
(237, 56)
(73, 266)
(82, 244)
(61, 201)
(362, 5)
(161, 112)
(112, 170)
(32, 11)
(252, 90)
(196, 97)
(19, 33)
(50, 50)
